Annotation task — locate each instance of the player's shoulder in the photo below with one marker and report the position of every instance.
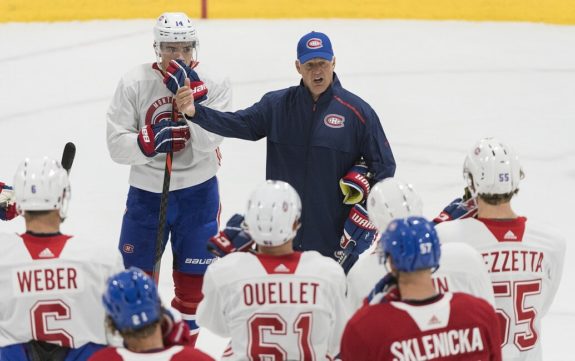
(545, 234)
(320, 265)
(482, 311)
(232, 266)
(368, 314)
(454, 228)
(14, 250)
(459, 252)
(140, 73)
(315, 256)
(9, 238)
(458, 249)
(189, 353)
(232, 260)
(106, 354)
(91, 249)
(366, 264)
(460, 258)
(468, 301)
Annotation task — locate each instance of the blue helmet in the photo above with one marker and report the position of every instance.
(131, 300)
(412, 243)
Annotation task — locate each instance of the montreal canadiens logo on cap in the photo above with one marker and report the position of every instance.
(128, 248)
(314, 43)
(334, 121)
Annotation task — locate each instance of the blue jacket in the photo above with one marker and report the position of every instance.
(311, 146)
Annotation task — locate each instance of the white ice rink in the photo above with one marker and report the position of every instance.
(437, 87)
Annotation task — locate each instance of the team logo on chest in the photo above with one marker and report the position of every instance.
(160, 110)
(334, 120)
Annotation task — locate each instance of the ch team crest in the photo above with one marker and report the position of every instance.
(334, 120)
(159, 111)
(314, 43)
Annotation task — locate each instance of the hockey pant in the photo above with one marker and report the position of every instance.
(192, 218)
(33, 351)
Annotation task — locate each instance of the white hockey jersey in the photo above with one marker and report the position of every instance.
(285, 307)
(525, 265)
(460, 270)
(142, 98)
(51, 289)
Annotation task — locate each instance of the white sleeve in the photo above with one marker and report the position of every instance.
(555, 273)
(341, 313)
(354, 288)
(122, 127)
(219, 98)
(210, 313)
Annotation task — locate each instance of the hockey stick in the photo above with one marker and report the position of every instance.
(68, 156)
(163, 208)
(162, 217)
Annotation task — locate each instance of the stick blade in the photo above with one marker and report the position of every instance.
(68, 156)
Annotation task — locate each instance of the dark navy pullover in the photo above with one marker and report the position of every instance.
(311, 145)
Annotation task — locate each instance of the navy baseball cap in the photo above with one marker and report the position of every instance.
(314, 45)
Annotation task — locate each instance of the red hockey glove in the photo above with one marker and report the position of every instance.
(175, 75)
(355, 184)
(7, 205)
(163, 137)
(232, 239)
(175, 331)
(358, 235)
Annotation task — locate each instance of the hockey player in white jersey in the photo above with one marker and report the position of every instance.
(461, 268)
(50, 282)
(143, 128)
(525, 262)
(277, 304)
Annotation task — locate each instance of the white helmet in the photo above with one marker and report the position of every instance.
(273, 210)
(492, 167)
(174, 28)
(41, 185)
(390, 199)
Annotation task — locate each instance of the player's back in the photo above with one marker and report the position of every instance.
(441, 329)
(172, 353)
(52, 288)
(288, 307)
(525, 265)
(461, 270)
